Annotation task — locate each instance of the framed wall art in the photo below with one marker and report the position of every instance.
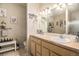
(13, 19)
(3, 12)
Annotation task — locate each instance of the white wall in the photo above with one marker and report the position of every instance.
(34, 24)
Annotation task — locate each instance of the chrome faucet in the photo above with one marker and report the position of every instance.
(77, 36)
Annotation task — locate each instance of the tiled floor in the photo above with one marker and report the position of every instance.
(19, 52)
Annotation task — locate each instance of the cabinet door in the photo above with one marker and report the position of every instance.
(33, 48)
(52, 54)
(38, 48)
(39, 41)
(45, 51)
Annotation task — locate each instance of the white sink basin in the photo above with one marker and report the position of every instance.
(63, 39)
(58, 39)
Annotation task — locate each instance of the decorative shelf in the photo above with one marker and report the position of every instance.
(7, 46)
(6, 49)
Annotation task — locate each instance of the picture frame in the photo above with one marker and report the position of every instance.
(3, 12)
(13, 19)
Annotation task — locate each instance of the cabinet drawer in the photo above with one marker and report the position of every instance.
(61, 51)
(33, 39)
(38, 48)
(45, 52)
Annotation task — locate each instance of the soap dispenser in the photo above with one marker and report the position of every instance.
(77, 37)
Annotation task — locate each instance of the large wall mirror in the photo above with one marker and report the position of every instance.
(64, 21)
(62, 18)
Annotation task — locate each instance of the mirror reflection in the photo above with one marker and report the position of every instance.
(60, 18)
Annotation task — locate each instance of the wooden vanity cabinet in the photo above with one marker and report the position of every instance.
(40, 47)
(57, 50)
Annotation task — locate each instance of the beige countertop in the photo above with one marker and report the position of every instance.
(66, 41)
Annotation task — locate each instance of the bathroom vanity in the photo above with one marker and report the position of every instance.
(53, 45)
